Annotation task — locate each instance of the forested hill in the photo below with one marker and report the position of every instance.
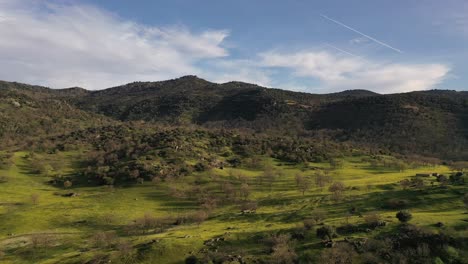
(432, 123)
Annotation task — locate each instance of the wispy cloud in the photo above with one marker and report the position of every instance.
(343, 72)
(62, 45)
(362, 34)
(67, 45)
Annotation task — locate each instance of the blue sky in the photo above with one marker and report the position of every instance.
(312, 46)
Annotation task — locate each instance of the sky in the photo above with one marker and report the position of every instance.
(310, 46)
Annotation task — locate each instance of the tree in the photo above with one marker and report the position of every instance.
(321, 179)
(337, 188)
(228, 189)
(303, 183)
(35, 198)
(442, 179)
(283, 254)
(465, 200)
(269, 176)
(67, 184)
(405, 184)
(245, 191)
(199, 217)
(418, 182)
(192, 260)
(336, 164)
(459, 165)
(404, 216)
(342, 253)
(318, 215)
(282, 249)
(326, 232)
(373, 220)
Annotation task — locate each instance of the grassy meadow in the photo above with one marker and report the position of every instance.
(83, 223)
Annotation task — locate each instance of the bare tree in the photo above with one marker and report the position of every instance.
(321, 179)
(67, 184)
(269, 176)
(318, 215)
(35, 198)
(199, 217)
(340, 254)
(228, 190)
(405, 184)
(337, 188)
(303, 183)
(245, 191)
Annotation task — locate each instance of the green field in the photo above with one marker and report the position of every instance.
(41, 225)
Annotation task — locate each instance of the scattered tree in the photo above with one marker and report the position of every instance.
(337, 188)
(342, 253)
(303, 183)
(67, 184)
(35, 198)
(245, 191)
(465, 200)
(199, 217)
(404, 216)
(326, 232)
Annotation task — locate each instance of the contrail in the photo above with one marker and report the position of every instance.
(344, 51)
(367, 36)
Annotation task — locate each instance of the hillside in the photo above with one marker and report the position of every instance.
(430, 123)
(32, 111)
(188, 171)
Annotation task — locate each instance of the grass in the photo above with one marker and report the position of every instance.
(72, 221)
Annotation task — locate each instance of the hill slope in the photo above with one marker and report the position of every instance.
(432, 123)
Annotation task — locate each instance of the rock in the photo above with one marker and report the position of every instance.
(72, 194)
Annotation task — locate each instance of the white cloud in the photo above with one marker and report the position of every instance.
(238, 70)
(63, 45)
(68, 45)
(340, 73)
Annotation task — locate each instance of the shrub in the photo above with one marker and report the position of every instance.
(41, 240)
(404, 216)
(318, 215)
(35, 198)
(325, 232)
(67, 184)
(395, 203)
(373, 220)
(309, 223)
(199, 217)
(342, 253)
(465, 200)
(192, 260)
(337, 188)
(3, 179)
(282, 250)
(103, 239)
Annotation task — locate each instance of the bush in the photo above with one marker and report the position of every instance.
(373, 220)
(67, 184)
(309, 223)
(192, 260)
(3, 179)
(326, 232)
(103, 239)
(397, 203)
(404, 216)
(342, 253)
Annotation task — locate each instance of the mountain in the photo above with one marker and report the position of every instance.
(29, 111)
(431, 123)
